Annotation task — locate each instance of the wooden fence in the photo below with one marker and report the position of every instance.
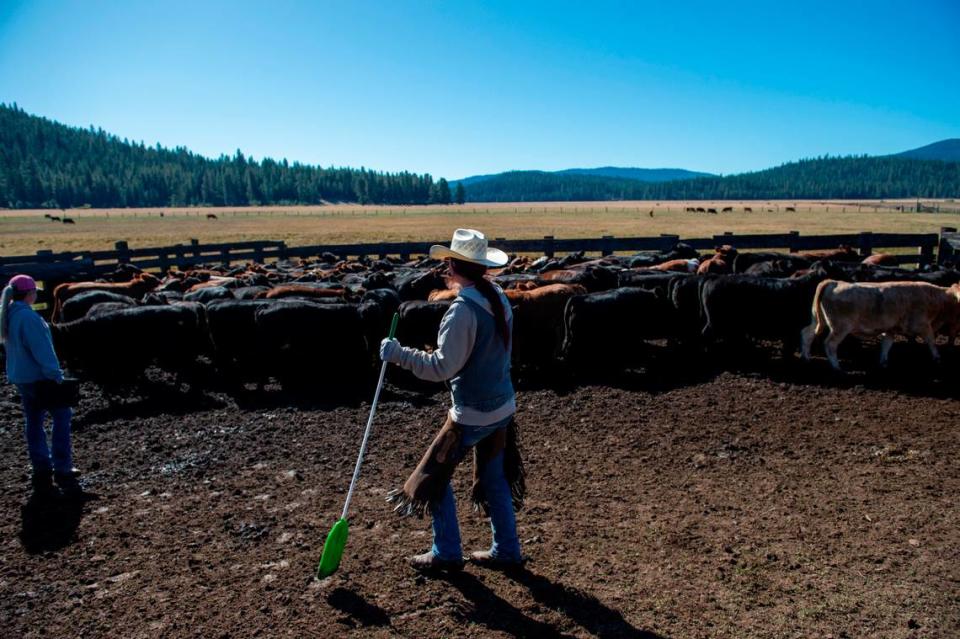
(52, 268)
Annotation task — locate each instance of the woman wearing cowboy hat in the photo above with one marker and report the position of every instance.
(473, 358)
(30, 361)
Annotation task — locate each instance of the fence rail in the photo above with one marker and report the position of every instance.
(48, 265)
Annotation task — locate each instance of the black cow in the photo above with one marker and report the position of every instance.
(208, 294)
(420, 323)
(418, 284)
(604, 331)
(78, 305)
(315, 348)
(788, 261)
(237, 353)
(737, 307)
(114, 345)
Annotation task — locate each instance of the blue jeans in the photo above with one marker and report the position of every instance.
(62, 460)
(503, 524)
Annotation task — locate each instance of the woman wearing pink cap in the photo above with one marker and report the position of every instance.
(31, 360)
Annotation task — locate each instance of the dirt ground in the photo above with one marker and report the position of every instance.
(781, 502)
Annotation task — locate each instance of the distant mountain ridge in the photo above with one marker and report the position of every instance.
(929, 171)
(629, 173)
(860, 177)
(944, 150)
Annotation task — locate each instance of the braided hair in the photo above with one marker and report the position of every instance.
(476, 274)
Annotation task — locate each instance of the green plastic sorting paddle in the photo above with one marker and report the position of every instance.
(337, 539)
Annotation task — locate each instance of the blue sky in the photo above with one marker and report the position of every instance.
(461, 88)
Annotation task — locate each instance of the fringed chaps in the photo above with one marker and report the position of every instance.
(429, 479)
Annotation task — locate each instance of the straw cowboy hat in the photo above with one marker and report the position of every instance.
(470, 246)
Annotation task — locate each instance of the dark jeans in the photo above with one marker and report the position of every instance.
(62, 459)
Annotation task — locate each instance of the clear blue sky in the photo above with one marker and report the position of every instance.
(460, 88)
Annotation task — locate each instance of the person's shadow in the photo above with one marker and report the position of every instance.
(585, 610)
(51, 523)
(358, 611)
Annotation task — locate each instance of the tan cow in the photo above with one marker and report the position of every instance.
(884, 308)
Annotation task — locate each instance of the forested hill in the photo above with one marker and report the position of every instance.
(845, 177)
(47, 164)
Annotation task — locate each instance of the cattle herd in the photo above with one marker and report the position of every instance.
(315, 325)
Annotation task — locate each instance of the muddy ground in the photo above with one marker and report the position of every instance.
(781, 502)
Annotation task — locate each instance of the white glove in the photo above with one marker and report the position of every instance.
(390, 350)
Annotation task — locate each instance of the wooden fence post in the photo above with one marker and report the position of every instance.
(196, 250)
(606, 245)
(548, 245)
(944, 248)
(926, 255)
(178, 252)
(124, 255)
(866, 243)
(793, 241)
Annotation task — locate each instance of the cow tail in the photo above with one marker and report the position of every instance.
(817, 311)
(568, 313)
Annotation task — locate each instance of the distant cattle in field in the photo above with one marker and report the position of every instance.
(55, 218)
(47, 215)
(791, 209)
(747, 209)
(68, 220)
(691, 209)
(714, 211)
(727, 209)
(211, 216)
(700, 209)
(914, 309)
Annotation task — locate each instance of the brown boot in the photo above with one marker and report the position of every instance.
(487, 560)
(427, 562)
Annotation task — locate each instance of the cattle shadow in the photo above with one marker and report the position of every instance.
(358, 611)
(50, 523)
(910, 370)
(151, 399)
(585, 610)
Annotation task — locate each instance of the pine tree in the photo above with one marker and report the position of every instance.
(460, 194)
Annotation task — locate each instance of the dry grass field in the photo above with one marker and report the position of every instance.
(25, 232)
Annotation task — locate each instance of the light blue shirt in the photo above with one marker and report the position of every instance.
(29, 347)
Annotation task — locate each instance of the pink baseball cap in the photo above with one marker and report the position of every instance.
(23, 283)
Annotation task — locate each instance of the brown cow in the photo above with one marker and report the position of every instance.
(301, 290)
(441, 294)
(141, 284)
(880, 259)
(676, 266)
(721, 262)
(883, 308)
(538, 321)
(842, 254)
(212, 282)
